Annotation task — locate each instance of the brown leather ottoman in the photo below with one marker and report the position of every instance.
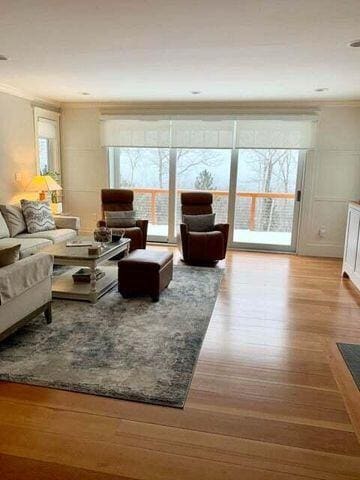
(145, 272)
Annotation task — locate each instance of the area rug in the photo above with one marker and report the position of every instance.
(351, 355)
(130, 349)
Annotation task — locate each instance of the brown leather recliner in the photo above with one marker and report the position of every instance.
(113, 200)
(202, 247)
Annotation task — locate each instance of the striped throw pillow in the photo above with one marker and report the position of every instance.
(38, 216)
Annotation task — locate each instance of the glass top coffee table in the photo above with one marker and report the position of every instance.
(63, 285)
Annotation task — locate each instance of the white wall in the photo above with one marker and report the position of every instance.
(17, 145)
(332, 178)
(84, 164)
(332, 174)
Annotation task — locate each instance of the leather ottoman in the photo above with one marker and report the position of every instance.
(145, 272)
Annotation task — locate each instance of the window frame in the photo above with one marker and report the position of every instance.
(232, 189)
(54, 143)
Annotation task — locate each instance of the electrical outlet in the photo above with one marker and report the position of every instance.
(322, 231)
(18, 177)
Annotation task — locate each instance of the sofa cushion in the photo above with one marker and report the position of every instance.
(28, 246)
(38, 216)
(56, 236)
(9, 255)
(4, 231)
(23, 275)
(67, 221)
(14, 219)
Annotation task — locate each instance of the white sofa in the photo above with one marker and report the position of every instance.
(67, 228)
(25, 291)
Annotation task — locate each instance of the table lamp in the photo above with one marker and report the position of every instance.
(43, 184)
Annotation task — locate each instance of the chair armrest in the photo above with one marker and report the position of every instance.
(184, 233)
(23, 275)
(224, 228)
(67, 221)
(143, 225)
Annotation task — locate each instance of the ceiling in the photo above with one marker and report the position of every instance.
(161, 50)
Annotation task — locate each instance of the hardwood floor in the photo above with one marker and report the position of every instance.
(270, 398)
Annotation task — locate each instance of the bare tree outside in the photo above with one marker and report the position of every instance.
(272, 170)
(261, 172)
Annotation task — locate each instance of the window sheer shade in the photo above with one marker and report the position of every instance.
(297, 132)
(275, 133)
(135, 133)
(47, 128)
(202, 133)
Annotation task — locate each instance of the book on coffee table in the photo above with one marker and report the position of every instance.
(83, 275)
(79, 243)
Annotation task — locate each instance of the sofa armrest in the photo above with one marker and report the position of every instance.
(24, 274)
(67, 221)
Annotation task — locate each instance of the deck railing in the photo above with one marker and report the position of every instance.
(253, 196)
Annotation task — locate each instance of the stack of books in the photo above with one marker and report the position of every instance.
(83, 275)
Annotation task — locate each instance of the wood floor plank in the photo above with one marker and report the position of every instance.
(194, 419)
(269, 400)
(14, 468)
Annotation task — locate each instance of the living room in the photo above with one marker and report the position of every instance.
(179, 229)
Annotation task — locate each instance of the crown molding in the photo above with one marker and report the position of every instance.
(17, 92)
(206, 107)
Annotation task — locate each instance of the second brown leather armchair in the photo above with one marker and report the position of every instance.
(114, 200)
(202, 247)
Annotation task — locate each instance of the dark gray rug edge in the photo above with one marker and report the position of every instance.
(19, 380)
(348, 357)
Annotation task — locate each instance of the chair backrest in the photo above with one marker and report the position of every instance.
(196, 203)
(113, 199)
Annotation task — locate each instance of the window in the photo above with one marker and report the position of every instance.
(252, 165)
(44, 155)
(48, 143)
(204, 169)
(146, 172)
(265, 196)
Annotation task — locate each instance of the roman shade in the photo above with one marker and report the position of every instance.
(240, 131)
(47, 128)
(202, 133)
(135, 132)
(276, 132)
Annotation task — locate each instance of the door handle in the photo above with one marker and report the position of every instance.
(298, 195)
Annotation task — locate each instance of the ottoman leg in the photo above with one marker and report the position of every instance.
(155, 298)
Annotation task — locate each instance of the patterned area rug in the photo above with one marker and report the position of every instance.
(351, 355)
(129, 349)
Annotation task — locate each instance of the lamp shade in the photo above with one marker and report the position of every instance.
(43, 183)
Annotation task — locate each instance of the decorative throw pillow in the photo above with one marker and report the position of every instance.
(123, 219)
(4, 231)
(200, 223)
(9, 255)
(38, 216)
(14, 219)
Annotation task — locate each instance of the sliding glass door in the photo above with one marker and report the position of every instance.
(252, 164)
(267, 198)
(255, 190)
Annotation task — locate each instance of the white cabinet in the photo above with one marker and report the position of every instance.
(351, 262)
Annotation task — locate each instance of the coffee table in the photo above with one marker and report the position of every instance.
(63, 285)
